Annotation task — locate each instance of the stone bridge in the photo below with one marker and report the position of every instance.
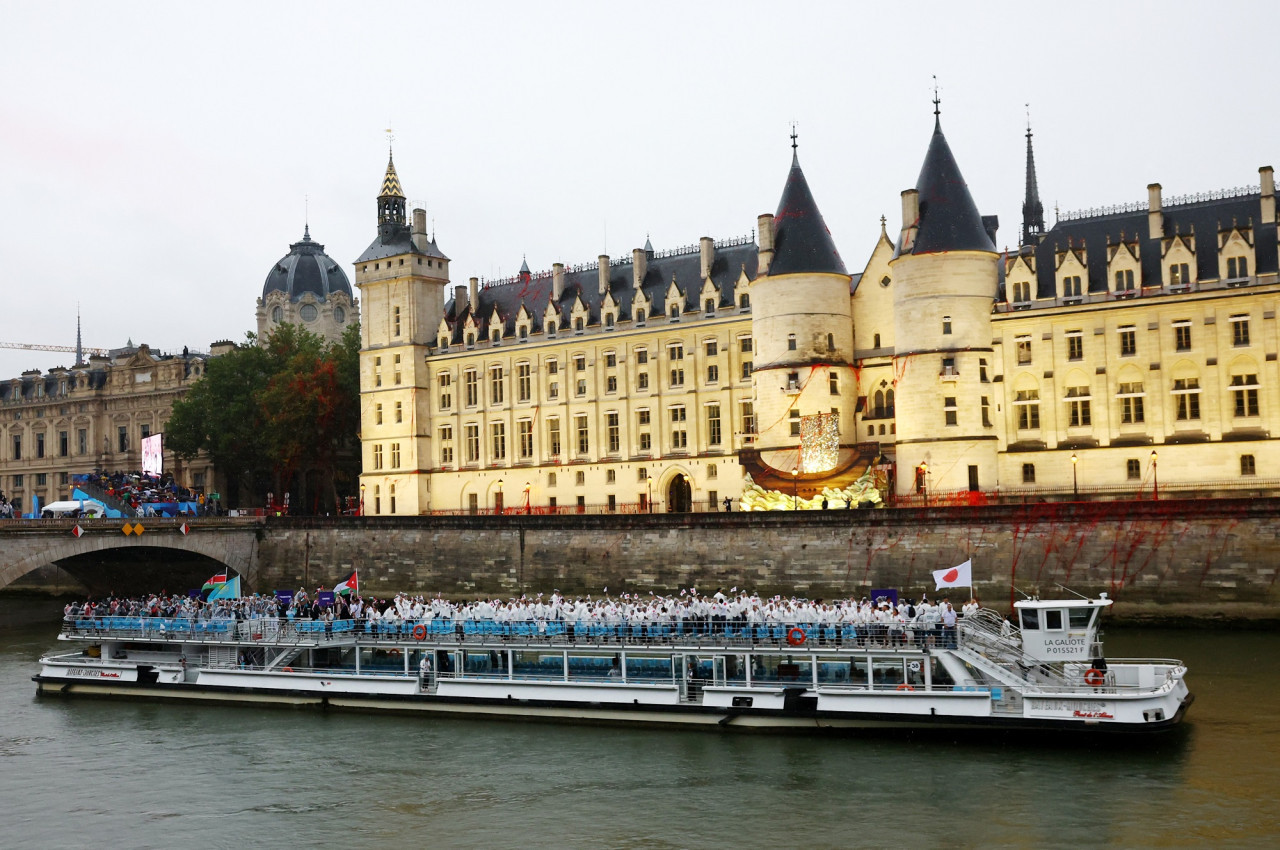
(156, 552)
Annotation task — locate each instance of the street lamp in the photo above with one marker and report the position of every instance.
(362, 499)
(527, 507)
(497, 501)
(795, 489)
(648, 480)
(1075, 479)
(924, 482)
(1155, 478)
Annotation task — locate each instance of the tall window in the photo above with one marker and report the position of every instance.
(1071, 286)
(1240, 330)
(524, 430)
(496, 385)
(713, 424)
(1131, 403)
(1075, 345)
(395, 321)
(791, 342)
(1247, 465)
(377, 414)
(377, 456)
(713, 347)
(1124, 280)
(1028, 473)
(395, 455)
(1244, 392)
(986, 412)
(746, 370)
(446, 445)
(1186, 396)
(613, 433)
(471, 436)
(399, 411)
(471, 387)
(946, 324)
(395, 363)
(1237, 267)
(793, 416)
(498, 441)
(679, 436)
(748, 417)
(1023, 346)
(1182, 335)
(642, 381)
(1078, 412)
(833, 383)
(524, 382)
(64, 443)
(646, 440)
(1027, 404)
(949, 411)
(1021, 292)
(642, 356)
(1128, 341)
(377, 371)
(580, 363)
(580, 429)
(713, 374)
(1133, 469)
(553, 435)
(445, 382)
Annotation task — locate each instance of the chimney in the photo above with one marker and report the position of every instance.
(1268, 194)
(459, 299)
(557, 282)
(639, 266)
(1155, 212)
(420, 240)
(707, 247)
(602, 273)
(473, 293)
(764, 236)
(910, 221)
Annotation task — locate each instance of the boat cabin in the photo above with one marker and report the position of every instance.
(1060, 629)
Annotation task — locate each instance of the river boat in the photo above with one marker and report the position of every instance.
(1046, 672)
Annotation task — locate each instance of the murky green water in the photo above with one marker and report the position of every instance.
(134, 774)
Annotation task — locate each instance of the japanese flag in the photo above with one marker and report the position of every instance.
(958, 576)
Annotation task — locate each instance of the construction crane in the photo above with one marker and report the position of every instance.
(69, 349)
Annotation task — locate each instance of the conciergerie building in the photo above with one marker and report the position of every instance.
(1124, 351)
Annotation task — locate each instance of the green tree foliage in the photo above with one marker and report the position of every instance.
(279, 415)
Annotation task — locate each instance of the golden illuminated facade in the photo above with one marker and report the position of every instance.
(1116, 348)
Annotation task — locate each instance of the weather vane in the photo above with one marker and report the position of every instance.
(937, 101)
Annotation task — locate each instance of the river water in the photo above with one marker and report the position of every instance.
(139, 774)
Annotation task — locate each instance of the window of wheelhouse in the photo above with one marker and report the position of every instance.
(1030, 619)
(1053, 620)
(1079, 618)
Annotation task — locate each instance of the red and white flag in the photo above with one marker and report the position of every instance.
(957, 576)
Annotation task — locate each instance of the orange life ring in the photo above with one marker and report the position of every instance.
(394, 652)
(287, 669)
(905, 687)
(1093, 677)
(420, 632)
(796, 637)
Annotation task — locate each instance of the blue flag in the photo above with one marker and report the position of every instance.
(226, 590)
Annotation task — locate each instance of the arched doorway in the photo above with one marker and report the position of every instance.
(679, 494)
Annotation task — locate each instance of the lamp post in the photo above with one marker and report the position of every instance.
(795, 488)
(1075, 479)
(648, 480)
(528, 508)
(1155, 478)
(362, 499)
(924, 482)
(497, 499)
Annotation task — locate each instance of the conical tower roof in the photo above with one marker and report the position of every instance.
(391, 182)
(801, 241)
(949, 219)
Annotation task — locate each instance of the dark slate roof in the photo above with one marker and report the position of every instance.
(949, 219)
(400, 242)
(1206, 218)
(533, 291)
(801, 241)
(306, 268)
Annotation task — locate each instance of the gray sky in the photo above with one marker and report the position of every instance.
(155, 159)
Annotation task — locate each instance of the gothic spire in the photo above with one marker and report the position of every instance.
(1032, 209)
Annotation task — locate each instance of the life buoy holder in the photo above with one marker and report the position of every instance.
(905, 687)
(1094, 678)
(286, 669)
(420, 632)
(797, 637)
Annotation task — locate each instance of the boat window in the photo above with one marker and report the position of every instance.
(833, 672)
(787, 669)
(1053, 619)
(648, 668)
(938, 672)
(887, 673)
(529, 663)
(591, 667)
(915, 672)
(858, 671)
(1030, 619)
(1079, 617)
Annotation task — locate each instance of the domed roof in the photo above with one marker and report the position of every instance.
(307, 268)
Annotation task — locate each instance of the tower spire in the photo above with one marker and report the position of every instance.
(79, 347)
(795, 153)
(1032, 209)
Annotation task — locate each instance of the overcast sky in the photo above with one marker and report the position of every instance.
(156, 159)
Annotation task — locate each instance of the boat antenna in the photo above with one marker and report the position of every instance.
(1025, 595)
(1077, 593)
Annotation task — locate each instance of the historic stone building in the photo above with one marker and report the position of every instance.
(65, 422)
(1115, 345)
(306, 287)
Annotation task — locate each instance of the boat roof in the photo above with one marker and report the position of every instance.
(1101, 602)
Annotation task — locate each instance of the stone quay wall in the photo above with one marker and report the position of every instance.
(1211, 560)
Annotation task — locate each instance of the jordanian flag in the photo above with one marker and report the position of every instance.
(348, 585)
(213, 583)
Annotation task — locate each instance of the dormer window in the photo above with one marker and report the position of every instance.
(497, 337)
(608, 321)
(471, 340)
(1237, 267)
(578, 325)
(710, 307)
(744, 303)
(674, 313)
(551, 328)
(443, 342)
(640, 318)
(524, 333)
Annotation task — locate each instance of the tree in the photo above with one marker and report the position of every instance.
(272, 415)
